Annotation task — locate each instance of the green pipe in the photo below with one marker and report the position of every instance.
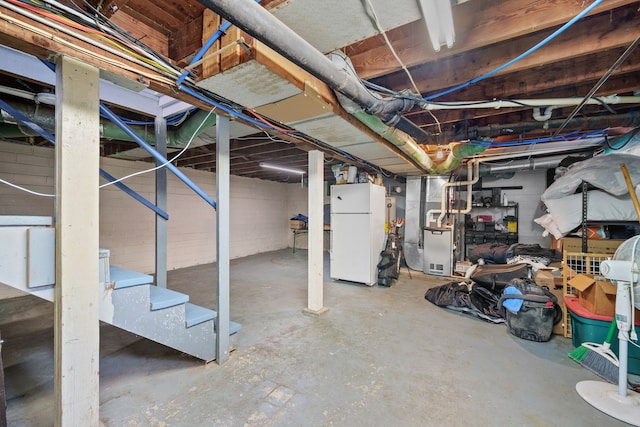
(175, 138)
(397, 137)
(45, 117)
(455, 157)
(14, 131)
(408, 146)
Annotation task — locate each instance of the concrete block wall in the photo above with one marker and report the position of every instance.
(259, 210)
(297, 202)
(31, 167)
(259, 219)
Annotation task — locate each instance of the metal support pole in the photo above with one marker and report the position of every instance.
(222, 237)
(149, 149)
(161, 202)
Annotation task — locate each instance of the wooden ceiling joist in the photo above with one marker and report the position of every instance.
(476, 25)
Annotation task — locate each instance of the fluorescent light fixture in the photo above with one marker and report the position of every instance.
(439, 18)
(280, 168)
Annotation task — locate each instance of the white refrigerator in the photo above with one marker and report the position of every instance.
(357, 232)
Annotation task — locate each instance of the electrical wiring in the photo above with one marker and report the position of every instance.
(75, 46)
(271, 125)
(376, 22)
(267, 136)
(625, 140)
(567, 137)
(521, 56)
(165, 163)
(26, 190)
(101, 23)
(73, 24)
(171, 121)
(600, 82)
(226, 109)
(115, 41)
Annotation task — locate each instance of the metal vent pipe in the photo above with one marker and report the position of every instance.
(262, 25)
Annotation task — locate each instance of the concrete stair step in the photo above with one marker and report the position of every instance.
(164, 298)
(123, 278)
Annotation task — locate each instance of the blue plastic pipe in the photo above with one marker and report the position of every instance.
(115, 119)
(221, 30)
(49, 137)
(135, 195)
(523, 55)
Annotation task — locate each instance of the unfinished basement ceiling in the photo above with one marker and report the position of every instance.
(253, 79)
(339, 23)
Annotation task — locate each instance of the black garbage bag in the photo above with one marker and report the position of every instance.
(460, 296)
(389, 265)
(492, 253)
(496, 276)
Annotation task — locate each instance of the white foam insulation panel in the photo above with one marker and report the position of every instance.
(255, 86)
(250, 84)
(338, 28)
(335, 131)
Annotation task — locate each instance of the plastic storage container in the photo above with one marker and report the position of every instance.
(589, 327)
(533, 315)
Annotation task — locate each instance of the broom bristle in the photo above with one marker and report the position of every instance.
(579, 353)
(600, 365)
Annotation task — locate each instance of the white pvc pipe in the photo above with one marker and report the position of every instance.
(18, 92)
(468, 183)
(559, 102)
(476, 177)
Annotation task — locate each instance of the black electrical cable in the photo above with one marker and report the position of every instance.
(627, 138)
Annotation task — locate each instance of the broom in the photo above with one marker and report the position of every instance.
(598, 358)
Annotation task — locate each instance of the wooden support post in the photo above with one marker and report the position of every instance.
(76, 327)
(316, 234)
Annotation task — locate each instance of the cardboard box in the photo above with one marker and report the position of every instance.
(548, 277)
(462, 266)
(597, 296)
(558, 328)
(544, 277)
(297, 224)
(595, 246)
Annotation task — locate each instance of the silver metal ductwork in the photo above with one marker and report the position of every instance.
(261, 24)
(425, 194)
(414, 210)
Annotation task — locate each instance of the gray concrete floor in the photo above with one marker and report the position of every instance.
(378, 357)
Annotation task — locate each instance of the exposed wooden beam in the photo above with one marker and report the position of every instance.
(615, 85)
(621, 31)
(40, 40)
(306, 81)
(477, 24)
(151, 37)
